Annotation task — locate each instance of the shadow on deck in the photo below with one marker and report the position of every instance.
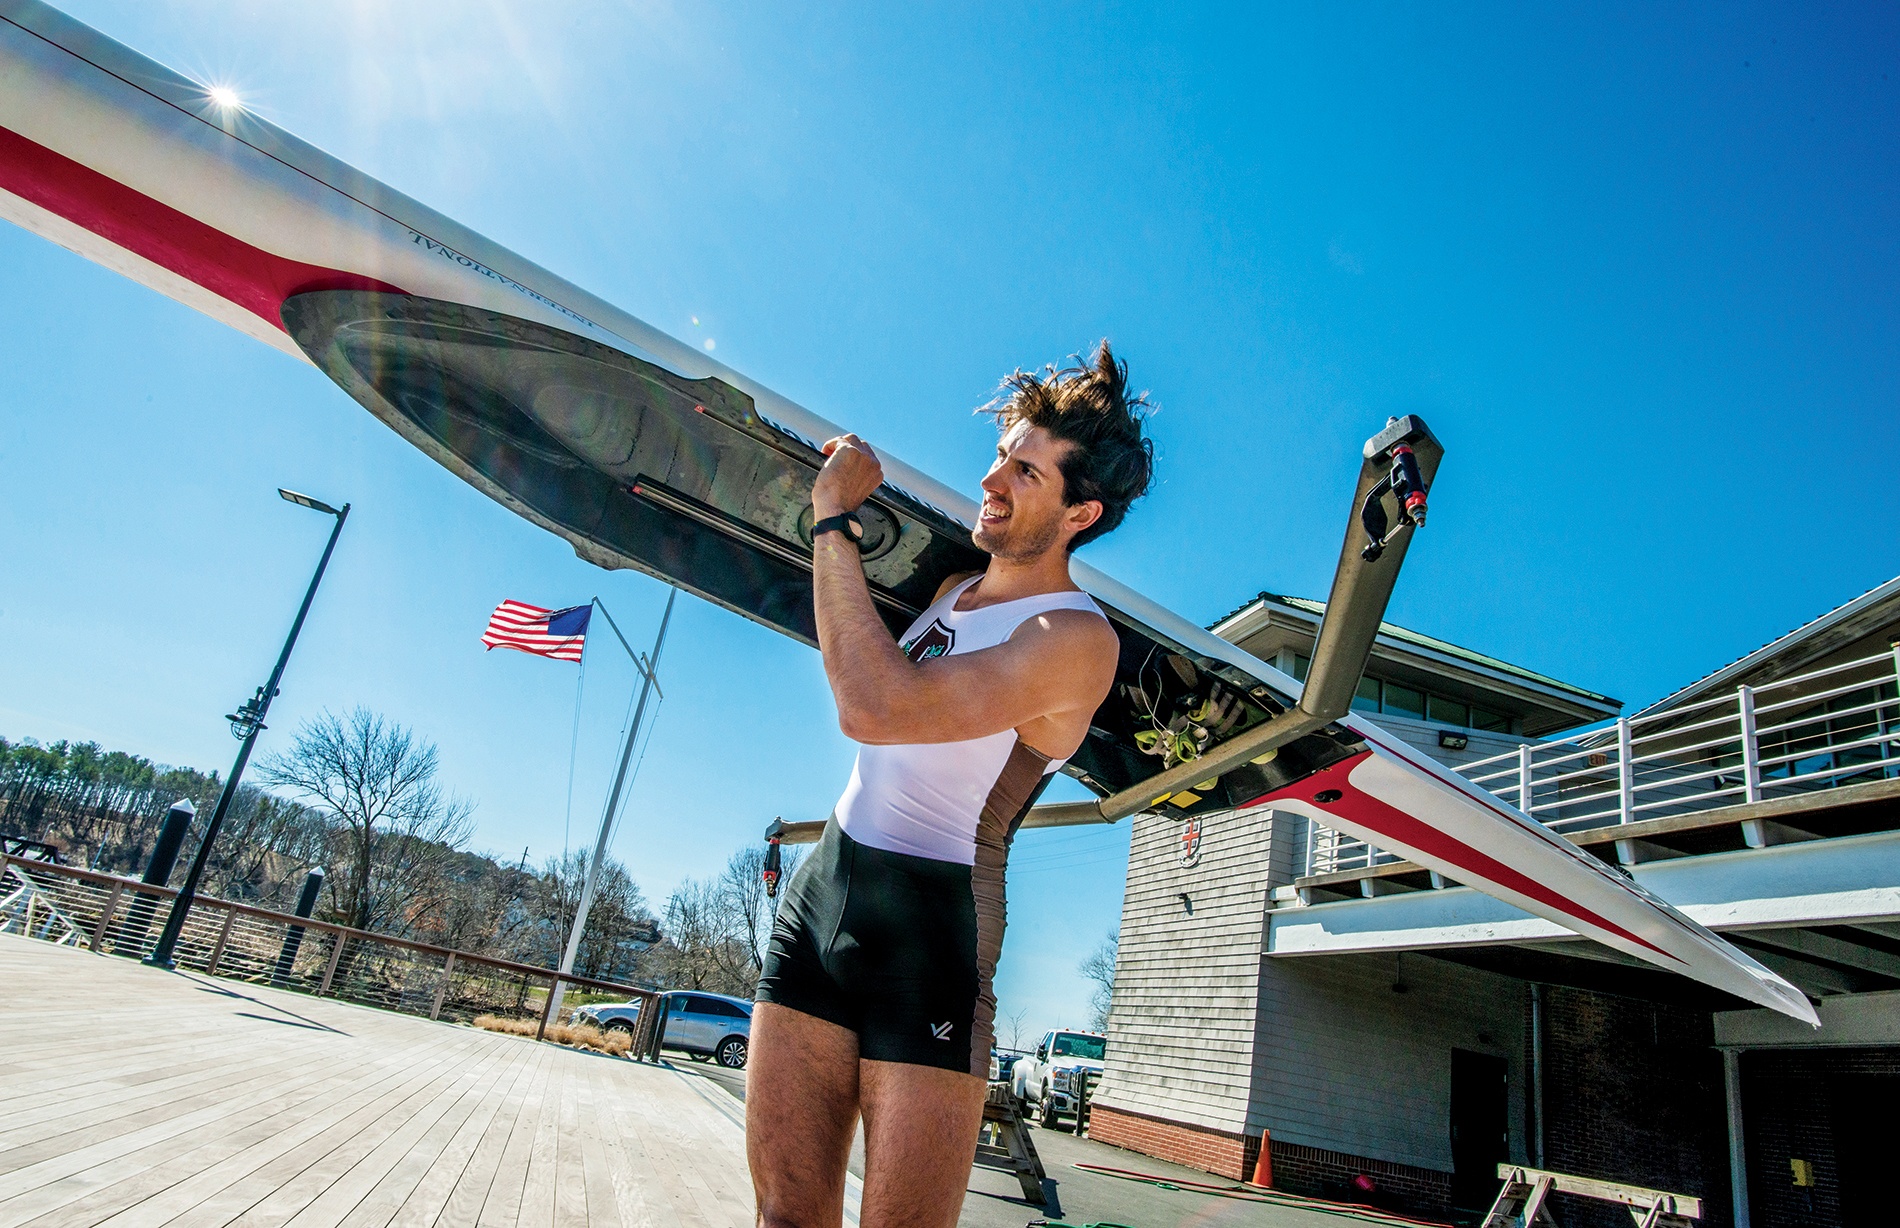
(130, 1096)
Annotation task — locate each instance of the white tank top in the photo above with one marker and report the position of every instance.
(930, 799)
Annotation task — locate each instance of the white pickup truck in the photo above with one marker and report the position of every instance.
(1050, 1079)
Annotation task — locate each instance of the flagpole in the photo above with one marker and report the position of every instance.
(607, 816)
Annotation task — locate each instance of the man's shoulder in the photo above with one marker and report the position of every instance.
(1086, 626)
(950, 582)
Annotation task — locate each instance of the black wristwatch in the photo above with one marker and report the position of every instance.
(845, 522)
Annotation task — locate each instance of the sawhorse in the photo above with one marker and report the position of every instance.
(1522, 1203)
(1013, 1152)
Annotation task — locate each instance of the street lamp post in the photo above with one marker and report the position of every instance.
(246, 723)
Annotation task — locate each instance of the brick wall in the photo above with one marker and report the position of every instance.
(1633, 1093)
(1329, 1174)
(1832, 1108)
(1221, 1152)
(1296, 1169)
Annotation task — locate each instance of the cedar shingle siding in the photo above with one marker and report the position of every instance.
(1206, 1031)
(1181, 1031)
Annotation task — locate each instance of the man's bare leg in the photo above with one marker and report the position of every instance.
(800, 1110)
(920, 1127)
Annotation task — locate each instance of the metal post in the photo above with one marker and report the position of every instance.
(656, 1036)
(329, 969)
(549, 1007)
(1737, 1152)
(252, 715)
(442, 987)
(158, 870)
(607, 817)
(224, 936)
(1537, 1074)
(293, 935)
(1524, 795)
(1751, 750)
(1893, 747)
(643, 1028)
(171, 838)
(105, 916)
(1896, 667)
(1625, 772)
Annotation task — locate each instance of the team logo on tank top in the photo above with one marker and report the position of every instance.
(936, 640)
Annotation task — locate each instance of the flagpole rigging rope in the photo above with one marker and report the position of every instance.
(573, 750)
(644, 743)
(626, 719)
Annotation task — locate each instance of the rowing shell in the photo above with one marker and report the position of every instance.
(646, 453)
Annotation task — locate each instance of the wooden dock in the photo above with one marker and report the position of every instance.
(134, 1097)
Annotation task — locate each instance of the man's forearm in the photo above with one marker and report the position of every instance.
(863, 663)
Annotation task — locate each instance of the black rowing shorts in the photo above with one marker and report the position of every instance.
(896, 948)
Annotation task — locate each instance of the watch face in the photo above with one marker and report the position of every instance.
(875, 530)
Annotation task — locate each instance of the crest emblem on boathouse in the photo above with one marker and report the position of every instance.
(1191, 831)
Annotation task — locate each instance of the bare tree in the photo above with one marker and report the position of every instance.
(745, 911)
(1018, 1021)
(1099, 967)
(396, 830)
(268, 845)
(689, 956)
(492, 910)
(619, 926)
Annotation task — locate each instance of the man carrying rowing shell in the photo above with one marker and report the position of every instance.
(875, 998)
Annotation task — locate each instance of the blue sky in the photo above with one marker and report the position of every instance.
(1638, 268)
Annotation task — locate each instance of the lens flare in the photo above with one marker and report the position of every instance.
(225, 97)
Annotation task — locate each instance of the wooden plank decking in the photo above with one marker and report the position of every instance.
(139, 1098)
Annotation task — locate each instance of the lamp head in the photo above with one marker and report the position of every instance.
(315, 505)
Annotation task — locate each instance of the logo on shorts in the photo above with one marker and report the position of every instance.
(940, 1030)
(936, 640)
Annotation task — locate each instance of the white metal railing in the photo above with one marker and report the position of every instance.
(121, 916)
(1833, 726)
(33, 913)
(1327, 851)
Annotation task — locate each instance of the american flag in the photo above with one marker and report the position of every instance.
(529, 628)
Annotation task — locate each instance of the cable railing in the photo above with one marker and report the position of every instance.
(1833, 726)
(111, 915)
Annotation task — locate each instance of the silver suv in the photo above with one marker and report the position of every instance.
(707, 1026)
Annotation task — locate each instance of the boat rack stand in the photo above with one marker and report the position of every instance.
(1012, 1152)
(1522, 1203)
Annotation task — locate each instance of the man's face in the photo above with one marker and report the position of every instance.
(1023, 513)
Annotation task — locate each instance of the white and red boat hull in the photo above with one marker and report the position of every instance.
(139, 169)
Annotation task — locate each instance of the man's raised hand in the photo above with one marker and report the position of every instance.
(851, 473)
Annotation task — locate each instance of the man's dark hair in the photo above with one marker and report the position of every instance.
(1090, 407)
